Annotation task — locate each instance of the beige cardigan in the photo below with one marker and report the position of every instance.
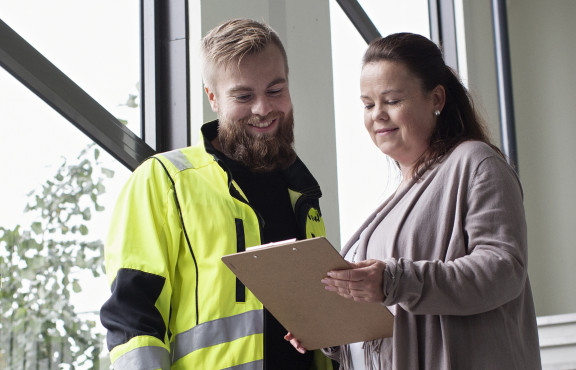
(455, 248)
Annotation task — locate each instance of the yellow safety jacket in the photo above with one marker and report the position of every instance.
(174, 304)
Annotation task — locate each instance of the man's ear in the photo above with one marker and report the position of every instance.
(212, 99)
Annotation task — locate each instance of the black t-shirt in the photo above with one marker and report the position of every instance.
(268, 195)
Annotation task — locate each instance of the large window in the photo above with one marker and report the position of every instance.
(58, 187)
(95, 43)
(50, 234)
(365, 177)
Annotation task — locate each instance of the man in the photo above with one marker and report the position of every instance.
(174, 304)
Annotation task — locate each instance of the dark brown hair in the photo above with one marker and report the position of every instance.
(458, 121)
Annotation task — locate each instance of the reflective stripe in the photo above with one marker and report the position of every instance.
(216, 332)
(178, 159)
(144, 358)
(254, 365)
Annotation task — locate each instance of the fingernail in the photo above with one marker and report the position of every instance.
(329, 273)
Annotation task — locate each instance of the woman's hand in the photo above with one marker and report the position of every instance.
(295, 343)
(362, 282)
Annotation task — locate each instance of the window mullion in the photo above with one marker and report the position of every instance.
(45, 80)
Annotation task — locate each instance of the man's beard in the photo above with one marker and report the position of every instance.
(261, 152)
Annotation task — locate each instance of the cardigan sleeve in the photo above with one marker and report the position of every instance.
(493, 270)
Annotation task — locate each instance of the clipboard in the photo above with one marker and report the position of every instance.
(286, 276)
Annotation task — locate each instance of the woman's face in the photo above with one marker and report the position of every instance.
(398, 113)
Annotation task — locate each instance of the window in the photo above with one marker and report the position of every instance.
(44, 310)
(95, 43)
(364, 176)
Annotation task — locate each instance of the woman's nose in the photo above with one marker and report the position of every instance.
(379, 113)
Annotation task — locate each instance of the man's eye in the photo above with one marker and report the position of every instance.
(368, 106)
(242, 98)
(274, 92)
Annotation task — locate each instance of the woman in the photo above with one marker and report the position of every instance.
(448, 250)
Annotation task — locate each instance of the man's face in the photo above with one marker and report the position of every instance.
(253, 104)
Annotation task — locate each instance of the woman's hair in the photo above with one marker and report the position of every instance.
(232, 40)
(458, 121)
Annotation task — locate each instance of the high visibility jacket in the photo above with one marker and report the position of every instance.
(174, 304)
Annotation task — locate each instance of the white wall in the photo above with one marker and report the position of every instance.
(542, 40)
(558, 341)
(543, 50)
(481, 68)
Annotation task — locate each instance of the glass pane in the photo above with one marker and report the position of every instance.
(353, 144)
(398, 16)
(44, 313)
(95, 43)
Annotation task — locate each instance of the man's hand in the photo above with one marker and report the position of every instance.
(295, 343)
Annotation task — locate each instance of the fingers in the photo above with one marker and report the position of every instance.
(295, 343)
(363, 282)
(359, 271)
(353, 290)
(365, 263)
(349, 274)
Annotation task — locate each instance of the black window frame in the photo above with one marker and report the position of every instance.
(165, 80)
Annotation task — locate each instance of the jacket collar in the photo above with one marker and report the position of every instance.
(210, 132)
(298, 177)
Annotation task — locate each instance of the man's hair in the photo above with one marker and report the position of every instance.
(232, 40)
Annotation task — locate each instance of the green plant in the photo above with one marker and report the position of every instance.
(39, 267)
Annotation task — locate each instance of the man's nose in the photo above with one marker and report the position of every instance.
(262, 106)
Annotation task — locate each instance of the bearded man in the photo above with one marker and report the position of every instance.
(174, 304)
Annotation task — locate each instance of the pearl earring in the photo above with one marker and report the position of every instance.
(436, 112)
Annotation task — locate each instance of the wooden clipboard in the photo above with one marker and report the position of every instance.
(286, 276)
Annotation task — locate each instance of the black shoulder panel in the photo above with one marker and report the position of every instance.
(131, 310)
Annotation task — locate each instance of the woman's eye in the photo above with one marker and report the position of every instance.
(392, 102)
(368, 106)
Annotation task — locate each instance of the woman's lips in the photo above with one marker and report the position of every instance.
(386, 131)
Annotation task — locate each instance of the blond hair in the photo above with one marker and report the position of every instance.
(232, 40)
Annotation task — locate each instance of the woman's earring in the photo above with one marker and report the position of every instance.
(436, 112)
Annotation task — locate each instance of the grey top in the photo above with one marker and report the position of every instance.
(455, 247)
